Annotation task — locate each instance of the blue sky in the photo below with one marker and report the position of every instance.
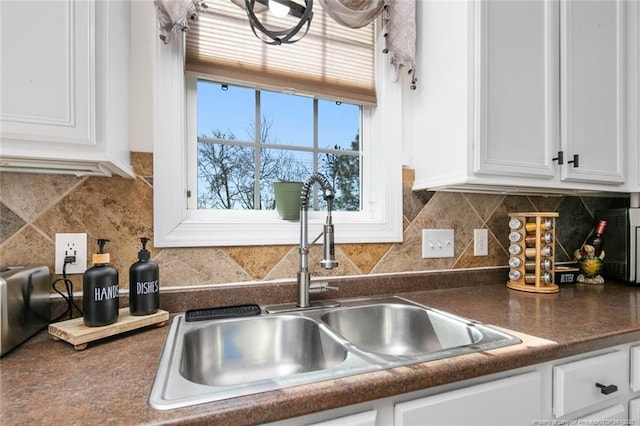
(291, 116)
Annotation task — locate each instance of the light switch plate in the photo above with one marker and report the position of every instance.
(437, 243)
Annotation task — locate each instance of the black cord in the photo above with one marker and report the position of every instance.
(69, 288)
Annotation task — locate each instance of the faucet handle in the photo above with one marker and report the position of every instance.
(321, 287)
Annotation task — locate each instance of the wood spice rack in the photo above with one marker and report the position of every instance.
(79, 335)
(532, 252)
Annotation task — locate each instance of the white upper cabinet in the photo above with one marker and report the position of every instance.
(593, 89)
(633, 95)
(65, 75)
(43, 47)
(506, 88)
(516, 91)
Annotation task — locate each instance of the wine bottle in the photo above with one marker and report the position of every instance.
(596, 240)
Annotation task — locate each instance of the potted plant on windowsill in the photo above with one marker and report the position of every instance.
(287, 199)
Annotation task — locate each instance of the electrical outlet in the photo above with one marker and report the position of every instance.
(437, 243)
(73, 244)
(481, 242)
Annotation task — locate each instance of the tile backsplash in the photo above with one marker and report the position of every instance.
(34, 207)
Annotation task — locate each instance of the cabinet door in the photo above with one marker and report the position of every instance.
(47, 71)
(516, 99)
(513, 401)
(593, 89)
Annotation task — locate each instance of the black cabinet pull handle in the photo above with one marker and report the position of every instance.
(606, 390)
(559, 158)
(575, 161)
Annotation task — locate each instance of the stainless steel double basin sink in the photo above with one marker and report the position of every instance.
(213, 360)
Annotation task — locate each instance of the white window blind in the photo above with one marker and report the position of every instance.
(330, 62)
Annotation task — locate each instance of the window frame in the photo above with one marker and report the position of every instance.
(175, 225)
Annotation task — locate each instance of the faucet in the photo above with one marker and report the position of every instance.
(328, 260)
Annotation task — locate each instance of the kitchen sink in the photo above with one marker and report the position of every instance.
(206, 361)
(265, 348)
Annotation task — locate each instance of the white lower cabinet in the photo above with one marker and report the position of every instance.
(512, 401)
(590, 388)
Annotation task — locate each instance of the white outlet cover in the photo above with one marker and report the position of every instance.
(481, 242)
(71, 244)
(437, 243)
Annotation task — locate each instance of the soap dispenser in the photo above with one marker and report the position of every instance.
(100, 290)
(144, 284)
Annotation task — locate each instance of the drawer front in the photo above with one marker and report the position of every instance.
(586, 382)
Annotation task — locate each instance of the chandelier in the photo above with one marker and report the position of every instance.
(283, 9)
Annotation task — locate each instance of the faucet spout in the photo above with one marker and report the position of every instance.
(328, 260)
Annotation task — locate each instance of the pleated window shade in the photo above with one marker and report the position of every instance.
(331, 62)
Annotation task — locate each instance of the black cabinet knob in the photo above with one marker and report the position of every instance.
(559, 158)
(607, 389)
(575, 161)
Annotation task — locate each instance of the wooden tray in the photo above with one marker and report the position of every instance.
(79, 335)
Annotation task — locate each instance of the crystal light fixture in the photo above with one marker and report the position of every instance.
(282, 9)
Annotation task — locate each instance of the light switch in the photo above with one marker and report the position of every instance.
(437, 243)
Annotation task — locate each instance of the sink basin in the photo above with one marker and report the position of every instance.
(234, 352)
(401, 330)
(206, 361)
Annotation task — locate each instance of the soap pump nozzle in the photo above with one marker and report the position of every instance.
(144, 254)
(101, 257)
(101, 243)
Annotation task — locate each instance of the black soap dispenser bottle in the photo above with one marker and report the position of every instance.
(100, 290)
(144, 284)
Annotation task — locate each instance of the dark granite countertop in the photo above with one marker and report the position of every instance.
(45, 381)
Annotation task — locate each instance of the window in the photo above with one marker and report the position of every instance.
(247, 139)
(179, 223)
